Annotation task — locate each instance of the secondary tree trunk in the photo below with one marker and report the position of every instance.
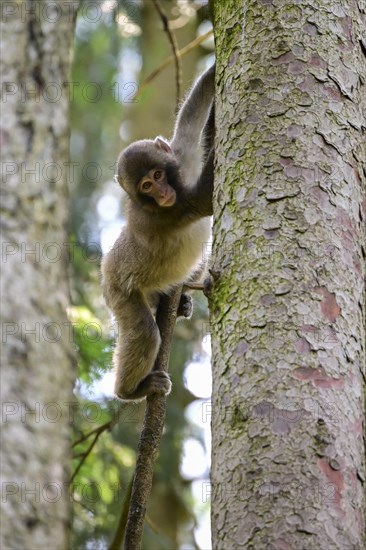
(288, 304)
(37, 372)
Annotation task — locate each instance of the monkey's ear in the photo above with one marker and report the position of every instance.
(162, 144)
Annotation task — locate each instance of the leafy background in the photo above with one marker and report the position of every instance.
(117, 44)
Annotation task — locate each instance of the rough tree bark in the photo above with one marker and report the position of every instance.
(37, 372)
(288, 305)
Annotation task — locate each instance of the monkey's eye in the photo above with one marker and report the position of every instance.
(146, 186)
(158, 174)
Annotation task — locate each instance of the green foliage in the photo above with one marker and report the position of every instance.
(100, 486)
(94, 350)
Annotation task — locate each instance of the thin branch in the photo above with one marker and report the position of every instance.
(194, 286)
(152, 428)
(101, 428)
(151, 524)
(116, 543)
(84, 456)
(174, 45)
(196, 42)
(97, 432)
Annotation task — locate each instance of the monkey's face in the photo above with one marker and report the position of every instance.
(154, 185)
(149, 173)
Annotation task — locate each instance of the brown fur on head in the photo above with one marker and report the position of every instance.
(138, 158)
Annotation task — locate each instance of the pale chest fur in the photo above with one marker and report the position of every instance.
(172, 259)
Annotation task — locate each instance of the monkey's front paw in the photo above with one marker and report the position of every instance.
(185, 307)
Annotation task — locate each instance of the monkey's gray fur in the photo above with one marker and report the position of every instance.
(169, 186)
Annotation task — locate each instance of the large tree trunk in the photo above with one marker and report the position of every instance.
(288, 304)
(37, 372)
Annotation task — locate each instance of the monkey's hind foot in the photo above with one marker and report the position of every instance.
(185, 307)
(155, 382)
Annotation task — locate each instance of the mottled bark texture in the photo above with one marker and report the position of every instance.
(288, 305)
(37, 370)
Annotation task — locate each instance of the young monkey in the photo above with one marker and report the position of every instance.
(169, 187)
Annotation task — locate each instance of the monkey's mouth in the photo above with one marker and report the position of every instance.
(168, 200)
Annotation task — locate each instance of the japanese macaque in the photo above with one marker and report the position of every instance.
(169, 187)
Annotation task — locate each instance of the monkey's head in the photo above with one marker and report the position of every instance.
(149, 172)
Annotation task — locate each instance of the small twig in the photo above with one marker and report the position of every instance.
(92, 432)
(194, 286)
(151, 524)
(97, 432)
(80, 503)
(174, 45)
(180, 53)
(116, 543)
(152, 428)
(84, 456)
